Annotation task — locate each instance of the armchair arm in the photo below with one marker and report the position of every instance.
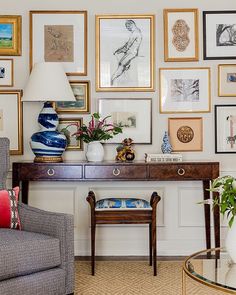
(58, 225)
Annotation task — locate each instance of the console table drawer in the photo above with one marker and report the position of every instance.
(124, 172)
(180, 172)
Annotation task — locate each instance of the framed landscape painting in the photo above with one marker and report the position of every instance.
(185, 90)
(6, 72)
(124, 52)
(227, 80)
(181, 34)
(59, 36)
(10, 35)
(219, 31)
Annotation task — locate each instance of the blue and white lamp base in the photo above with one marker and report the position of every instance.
(48, 144)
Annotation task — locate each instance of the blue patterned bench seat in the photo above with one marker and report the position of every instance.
(122, 204)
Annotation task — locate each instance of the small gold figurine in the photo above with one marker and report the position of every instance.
(124, 151)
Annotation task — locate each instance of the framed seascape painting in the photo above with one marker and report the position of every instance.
(185, 90)
(10, 35)
(124, 52)
(227, 80)
(225, 129)
(185, 134)
(181, 34)
(81, 90)
(6, 72)
(11, 124)
(68, 126)
(219, 34)
(134, 115)
(59, 36)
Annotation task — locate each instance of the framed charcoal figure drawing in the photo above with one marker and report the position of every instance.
(225, 129)
(6, 72)
(124, 52)
(181, 34)
(227, 80)
(185, 90)
(59, 36)
(219, 34)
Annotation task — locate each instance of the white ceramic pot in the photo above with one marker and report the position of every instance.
(230, 242)
(95, 151)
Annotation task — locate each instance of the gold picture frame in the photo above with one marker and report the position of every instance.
(227, 80)
(6, 72)
(10, 35)
(185, 90)
(55, 37)
(186, 134)
(11, 119)
(81, 90)
(124, 65)
(71, 125)
(181, 36)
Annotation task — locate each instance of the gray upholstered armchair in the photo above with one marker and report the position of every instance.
(39, 259)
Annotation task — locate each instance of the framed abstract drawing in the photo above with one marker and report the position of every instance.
(181, 34)
(127, 62)
(59, 36)
(11, 124)
(68, 126)
(219, 31)
(225, 129)
(185, 90)
(6, 72)
(10, 34)
(134, 115)
(185, 134)
(81, 90)
(227, 80)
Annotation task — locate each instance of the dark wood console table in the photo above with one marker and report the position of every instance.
(23, 172)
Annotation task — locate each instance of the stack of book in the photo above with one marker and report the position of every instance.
(163, 157)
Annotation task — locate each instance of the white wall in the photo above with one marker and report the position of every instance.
(181, 226)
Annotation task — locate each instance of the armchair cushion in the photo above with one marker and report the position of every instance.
(24, 253)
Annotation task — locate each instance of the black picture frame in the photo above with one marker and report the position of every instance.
(206, 39)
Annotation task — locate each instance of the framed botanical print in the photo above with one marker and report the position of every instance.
(181, 34)
(185, 90)
(227, 80)
(81, 105)
(124, 52)
(6, 72)
(225, 129)
(219, 30)
(59, 36)
(185, 134)
(133, 115)
(69, 126)
(10, 34)
(11, 124)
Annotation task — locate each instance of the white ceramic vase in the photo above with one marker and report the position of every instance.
(230, 242)
(95, 151)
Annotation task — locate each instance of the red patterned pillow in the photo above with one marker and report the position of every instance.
(9, 217)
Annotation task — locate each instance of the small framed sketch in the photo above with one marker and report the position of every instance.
(10, 35)
(185, 90)
(127, 62)
(59, 36)
(219, 29)
(6, 72)
(185, 134)
(227, 80)
(181, 34)
(11, 124)
(134, 115)
(81, 90)
(68, 126)
(225, 129)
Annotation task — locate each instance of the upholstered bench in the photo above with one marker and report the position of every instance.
(124, 211)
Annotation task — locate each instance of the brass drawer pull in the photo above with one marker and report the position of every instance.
(116, 172)
(181, 171)
(50, 172)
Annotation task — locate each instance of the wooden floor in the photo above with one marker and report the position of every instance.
(131, 258)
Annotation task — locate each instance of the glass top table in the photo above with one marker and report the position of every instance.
(212, 268)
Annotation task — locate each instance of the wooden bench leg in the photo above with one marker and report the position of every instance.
(154, 246)
(93, 230)
(150, 244)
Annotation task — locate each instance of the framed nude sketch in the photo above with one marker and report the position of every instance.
(124, 52)
(59, 36)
